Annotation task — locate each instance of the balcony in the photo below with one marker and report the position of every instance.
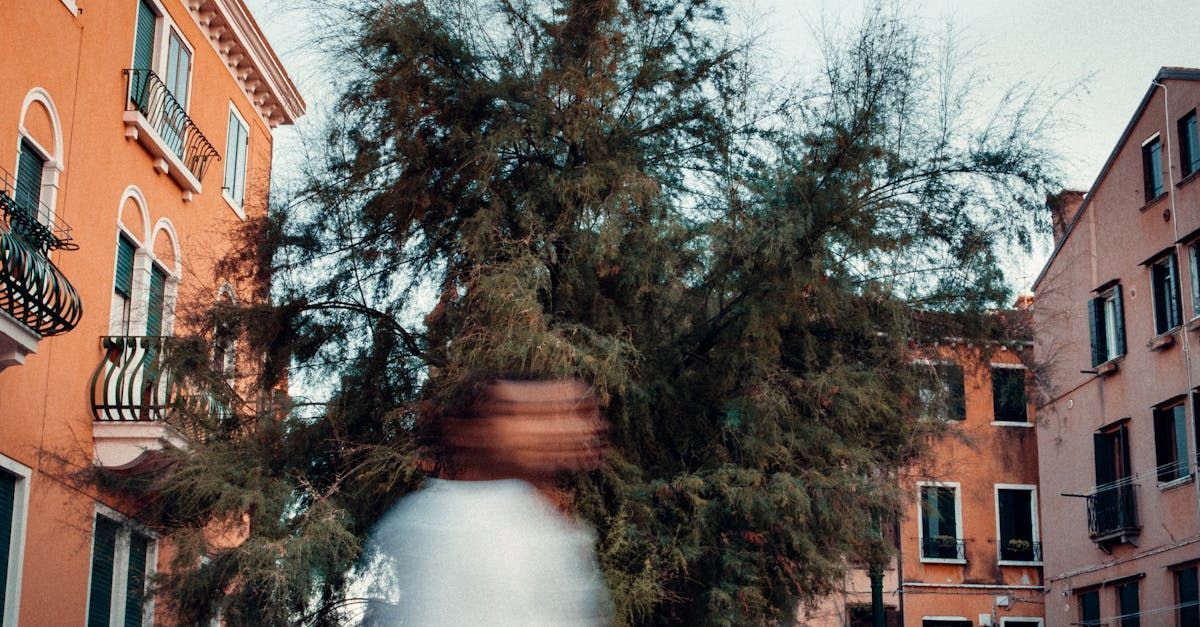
(943, 548)
(36, 299)
(159, 122)
(138, 402)
(1020, 550)
(1112, 514)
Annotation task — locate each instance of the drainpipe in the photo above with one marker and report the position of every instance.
(1180, 253)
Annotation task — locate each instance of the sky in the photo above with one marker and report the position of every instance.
(1094, 58)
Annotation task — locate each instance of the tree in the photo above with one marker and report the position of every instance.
(599, 188)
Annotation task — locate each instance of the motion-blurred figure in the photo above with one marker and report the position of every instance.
(486, 547)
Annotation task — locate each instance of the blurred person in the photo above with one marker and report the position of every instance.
(486, 546)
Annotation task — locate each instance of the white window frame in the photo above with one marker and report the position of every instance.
(1165, 260)
(1005, 620)
(16, 545)
(1033, 515)
(238, 208)
(958, 526)
(934, 363)
(1008, 423)
(53, 167)
(162, 30)
(120, 572)
(963, 618)
(1193, 256)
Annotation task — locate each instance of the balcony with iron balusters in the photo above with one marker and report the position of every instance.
(162, 126)
(139, 401)
(36, 299)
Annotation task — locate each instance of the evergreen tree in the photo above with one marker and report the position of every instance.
(601, 188)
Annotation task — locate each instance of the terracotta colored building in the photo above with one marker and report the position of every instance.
(1115, 315)
(969, 546)
(146, 125)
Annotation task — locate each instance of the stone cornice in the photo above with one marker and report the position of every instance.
(235, 36)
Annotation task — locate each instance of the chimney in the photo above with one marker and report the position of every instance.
(1063, 207)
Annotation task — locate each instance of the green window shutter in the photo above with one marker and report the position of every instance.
(104, 546)
(29, 179)
(235, 159)
(1182, 461)
(1187, 590)
(1174, 311)
(124, 280)
(1096, 328)
(8, 493)
(135, 583)
(154, 311)
(1164, 446)
(143, 37)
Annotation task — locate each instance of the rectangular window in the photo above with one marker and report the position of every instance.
(1164, 278)
(1106, 321)
(1016, 509)
(1187, 597)
(1089, 608)
(1113, 506)
(1189, 144)
(143, 36)
(1128, 605)
(122, 562)
(179, 68)
(156, 302)
(941, 393)
(941, 533)
(14, 492)
(1170, 442)
(1194, 262)
(236, 141)
(945, 622)
(1152, 170)
(1008, 394)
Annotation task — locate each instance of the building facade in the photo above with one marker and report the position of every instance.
(146, 126)
(1115, 316)
(969, 545)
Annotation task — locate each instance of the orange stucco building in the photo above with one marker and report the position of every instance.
(146, 126)
(969, 543)
(1117, 311)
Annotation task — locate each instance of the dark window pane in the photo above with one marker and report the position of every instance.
(1008, 394)
(1187, 596)
(103, 553)
(1152, 169)
(1016, 525)
(1127, 595)
(1089, 608)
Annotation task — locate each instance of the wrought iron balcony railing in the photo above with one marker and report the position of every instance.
(149, 95)
(32, 289)
(943, 548)
(1021, 550)
(136, 382)
(1112, 511)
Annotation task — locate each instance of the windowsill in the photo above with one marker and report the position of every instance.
(1107, 368)
(1017, 563)
(70, 5)
(1153, 201)
(1011, 423)
(1188, 179)
(1175, 483)
(943, 560)
(241, 212)
(1193, 324)
(1162, 341)
(139, 128)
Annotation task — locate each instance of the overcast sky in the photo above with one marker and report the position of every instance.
(1106, 50)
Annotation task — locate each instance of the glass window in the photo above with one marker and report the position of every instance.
(1187, 596)
(179, 67)
(1164, 278)
(1170, 442)
(1106, 321)
(1128, 605)
(236, 141)
(1113, 505)
(1194, 262)
(1008, 394)
(1189, 144)
(941, 536)
(941, 393)
(1018, 533)
(1152, 170)
(1089, 608)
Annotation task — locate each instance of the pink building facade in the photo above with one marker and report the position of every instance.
(1116, 316)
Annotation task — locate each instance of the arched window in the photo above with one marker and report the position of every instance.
(146, 271)
(39, 163)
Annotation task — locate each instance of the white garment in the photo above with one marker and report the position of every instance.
(483, 553)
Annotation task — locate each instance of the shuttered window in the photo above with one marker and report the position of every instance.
(1164, 277)
(1152, 170)
(1170, 442)
(8, 497)
(155, 303)
(1089, 608)
(179, 68)
(143, 37)
(1189, 144)
(104, 546)
(1106, 323)
(123, 284)
(29, 179)
(135, 584)
(236, 140)
(1187, 596)
(1129, 605)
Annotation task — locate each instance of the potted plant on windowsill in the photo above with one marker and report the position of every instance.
(1019, 549)
(945, 547)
